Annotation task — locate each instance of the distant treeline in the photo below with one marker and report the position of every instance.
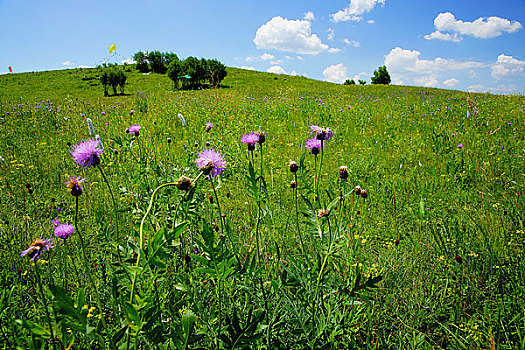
(191, 73)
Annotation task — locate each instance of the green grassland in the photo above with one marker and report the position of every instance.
(432, 258)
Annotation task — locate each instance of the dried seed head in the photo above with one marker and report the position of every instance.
(293, 166)
(343, 172)
(459, 260)
(323, 213)
(358, 190)
(293, 184)
(396, 242)
(184, 183)
(168, 139)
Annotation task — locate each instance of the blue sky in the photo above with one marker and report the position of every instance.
(466, 45)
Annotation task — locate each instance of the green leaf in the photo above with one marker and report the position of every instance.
(132, 315)
(34, 328)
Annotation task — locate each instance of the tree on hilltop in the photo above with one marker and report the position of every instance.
(381, 76)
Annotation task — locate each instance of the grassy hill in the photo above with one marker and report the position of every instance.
(261, 257)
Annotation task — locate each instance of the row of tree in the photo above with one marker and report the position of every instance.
(191, 73)
(113, 77)
(381, 76)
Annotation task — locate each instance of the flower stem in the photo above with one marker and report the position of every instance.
(112, 198)
(50, 325)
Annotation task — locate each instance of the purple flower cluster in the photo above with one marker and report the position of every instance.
(63, 231)
(250, 140)
(321, 133)
(87, 153)
(134, 130)
(211, 163)
(316, 143)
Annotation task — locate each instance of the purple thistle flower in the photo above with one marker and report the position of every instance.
(314, 145)
(63, 231)
(87, 153)
(321, 133)
(134, 130)
(250, 140)
(37, 247)
(74, 185)
(211, 163)
(460, 145)
(208, 126)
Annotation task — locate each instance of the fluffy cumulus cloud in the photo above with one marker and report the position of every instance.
(248, 67)
(451, 82)
(355, 10)
(288, 35)
(309, 16)
(335, 73)
(405, 65)
(437, 35)
(276, 69)
(401, 60)
(333, 50)
(507, 67)
(68, 63)
(427, 80)
(483, 28)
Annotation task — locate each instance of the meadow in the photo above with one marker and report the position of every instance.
(400, 227)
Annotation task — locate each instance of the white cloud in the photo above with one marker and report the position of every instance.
(276, 62)
(370, 21)
(361, 76)
(264, 57)
(476, 88)
(451, 82)
(427, 80)
(353, 43)
(483, 28)
(300, 58)
(405, 65)
(309, 16)
(333, 50)
(289, 57)
(288, 35)
(335, 73)
(331, 34)
(267, 57)
(276, 69)
(68, 63)
(355, 10)
(408, 60)
(128, 61)
(437, 35)
(507, 67)
(248, 68)
(472, 74)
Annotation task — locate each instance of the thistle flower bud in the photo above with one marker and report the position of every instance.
(168, 139)
(316, 151)
(323, 213)
(207, 144)
(262, 137)
(196, 144)
(293, 166)
(210, 199)
(293, 184)
(343, 172)
(364, 193)
(184, 183)
(396, 242)
(459, 260)
(357, 190)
